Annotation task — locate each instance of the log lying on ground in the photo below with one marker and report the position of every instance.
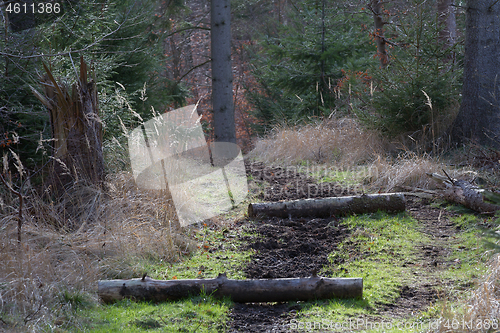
(324, 207)
(259, 290)
(465, 194)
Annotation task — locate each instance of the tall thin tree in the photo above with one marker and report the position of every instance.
(447, 20)
(479, 115)
(222, 75)
(376, 7)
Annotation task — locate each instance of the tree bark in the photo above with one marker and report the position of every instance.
(242, 291)
(76, 131)
(222, 75)
(447, 21)
(392, 202)
(479, 118)
(468, 196)
(378, 32)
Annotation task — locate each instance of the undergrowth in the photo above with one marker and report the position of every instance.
(48, 282)
(56, 266)
(341, 142)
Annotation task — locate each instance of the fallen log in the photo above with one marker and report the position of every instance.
(324, 207)
(243, 291)
(464, 193)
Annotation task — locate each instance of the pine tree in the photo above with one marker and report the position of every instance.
(300, 63)
(121, 42)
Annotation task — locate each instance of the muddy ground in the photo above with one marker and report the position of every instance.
(299, 247)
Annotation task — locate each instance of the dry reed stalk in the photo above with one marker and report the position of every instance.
(484, 304)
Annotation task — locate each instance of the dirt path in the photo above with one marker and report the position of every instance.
(418, 294)
(294, 247)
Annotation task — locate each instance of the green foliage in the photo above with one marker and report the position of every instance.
(125, 40)
(120, 41)
(196, 314)
(299, 64)
(420, 64)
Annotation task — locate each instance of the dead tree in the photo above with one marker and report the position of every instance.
(76, 131)
(464, 193)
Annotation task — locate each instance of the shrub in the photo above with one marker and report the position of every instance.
(422, 81)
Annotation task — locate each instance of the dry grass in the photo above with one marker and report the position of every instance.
(484, 304)
(68, 246)
(409, 170)
(480, 312)
(342, 142)
(91, 235)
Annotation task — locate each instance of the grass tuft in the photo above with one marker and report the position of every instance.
(67, 246)
(342, 142)
(484, 304)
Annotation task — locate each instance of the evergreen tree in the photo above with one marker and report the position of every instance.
(420, 81)
(299, 65)
(121, 42)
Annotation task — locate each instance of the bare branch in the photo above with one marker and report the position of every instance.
(187, 28)
(192, 69)
(491, 6)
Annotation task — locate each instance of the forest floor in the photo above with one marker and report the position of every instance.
(295, 247)
(419, 268)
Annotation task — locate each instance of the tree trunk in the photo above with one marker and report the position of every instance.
(378, 32)
(467, 195)
(464, 193)
(76, 131)
(222, 75)
(479, 116)
(447, 21)
(243, 291)
(20, 15)
(393, 202)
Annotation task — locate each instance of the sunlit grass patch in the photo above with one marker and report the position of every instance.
(468, 258)
(342, 142)
(218, 253)
(376, 250)
(197, 314)
(378, 247)
(349, 176)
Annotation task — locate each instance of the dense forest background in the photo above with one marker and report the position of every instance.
(331, 98)
(292, 62)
